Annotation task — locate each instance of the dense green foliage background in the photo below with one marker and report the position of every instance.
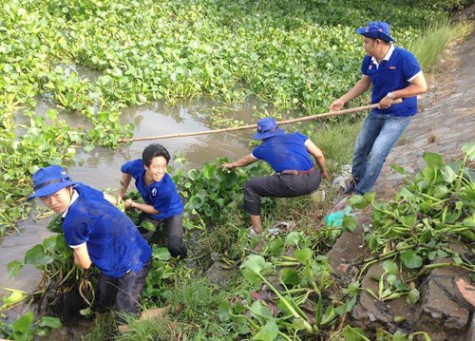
(295, 55)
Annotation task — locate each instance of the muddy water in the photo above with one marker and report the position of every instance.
(101, 167)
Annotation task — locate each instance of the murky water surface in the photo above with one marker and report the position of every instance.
(101, 167)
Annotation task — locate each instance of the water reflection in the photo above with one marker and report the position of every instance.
(101, 167)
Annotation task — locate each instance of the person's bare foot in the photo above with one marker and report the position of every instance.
(467, 291)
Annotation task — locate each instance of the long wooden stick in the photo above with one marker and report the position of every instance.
(249, 126)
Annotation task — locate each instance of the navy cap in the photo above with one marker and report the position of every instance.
(376, 30)
(267, 127)
(49, 180)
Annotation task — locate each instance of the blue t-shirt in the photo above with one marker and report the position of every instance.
(162, 195)
(285, 152)
(113, 242)
(391, 75)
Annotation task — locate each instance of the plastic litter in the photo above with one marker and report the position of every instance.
(335, 219)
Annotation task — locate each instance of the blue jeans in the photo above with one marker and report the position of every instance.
(378, 135)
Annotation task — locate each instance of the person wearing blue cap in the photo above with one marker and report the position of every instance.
(99, 234)
(290, 156)
(162, 203)
(393, 73)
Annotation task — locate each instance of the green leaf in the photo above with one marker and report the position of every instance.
(24, 323)
(469, 150)
(390, 267)
(354, 334)
(276, 246)
(399, 169)
(349, 223)
(149, 226)
(50, 322)
(413, 296)
(196, 201)
(347, 307)
(290, 276)
(448, 174)
(14, 267)
(298, 324)
(161, 253)
(391, 279)
(252, 267)
(36, 256)
(433, 160)
(14, 297)
(361, 202)
(411, 259)
(303, 255)
(293, 238)
(258, 310)
(268, 333)
(223, 310)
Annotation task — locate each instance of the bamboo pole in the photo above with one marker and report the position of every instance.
(250, 126)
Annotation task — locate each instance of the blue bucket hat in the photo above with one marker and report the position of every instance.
(376, 30)
(267, 127)
(49, 180)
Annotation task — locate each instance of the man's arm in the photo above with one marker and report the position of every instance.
(417, 86)
(143, 207)
(246, 160)
(319, 158)
(81, 256)
(357, 90)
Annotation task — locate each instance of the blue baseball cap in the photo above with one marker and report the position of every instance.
(267, 127)
(376, 30)
(49, 180)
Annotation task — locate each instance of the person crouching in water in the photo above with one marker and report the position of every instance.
(99, 234)
(289, 155)
(162, 203)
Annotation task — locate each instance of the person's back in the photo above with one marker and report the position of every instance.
(285, 152)
(113, 241)
(290, 156)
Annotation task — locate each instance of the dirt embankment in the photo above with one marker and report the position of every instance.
(446, 122)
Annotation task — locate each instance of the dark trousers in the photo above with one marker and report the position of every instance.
(174, 233)
(122, 294)
(278, 186)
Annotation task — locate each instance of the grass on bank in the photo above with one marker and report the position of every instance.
(336, 140)
(429, 47)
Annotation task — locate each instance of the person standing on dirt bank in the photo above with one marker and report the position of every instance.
(99, 234)
(289, 155)
(393, 73)
(163, 204)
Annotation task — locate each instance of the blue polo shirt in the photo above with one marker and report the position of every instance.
(113, 242)
(285, 152)
(394, 72)
(162, 195)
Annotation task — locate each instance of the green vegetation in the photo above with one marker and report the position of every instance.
(296, 57)
(433, 210)
(429, 47)
(280, 287)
